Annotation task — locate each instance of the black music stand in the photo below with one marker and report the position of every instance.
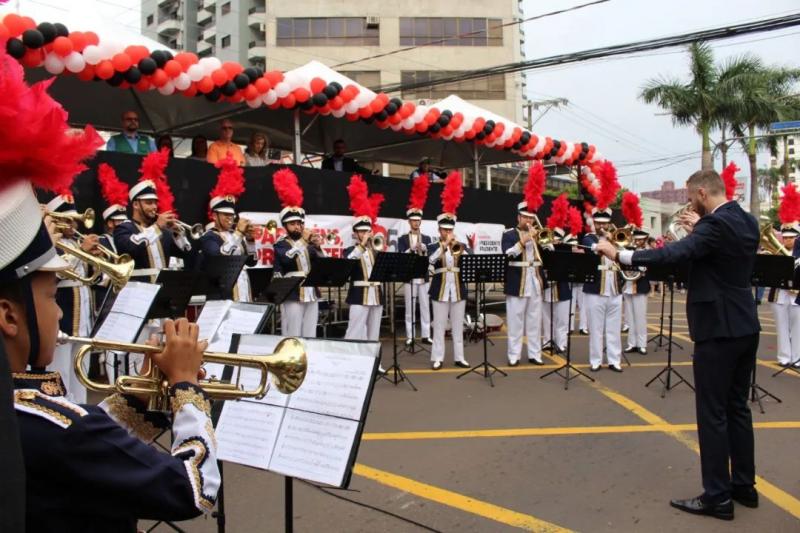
(550, 345)
(420, 271)
(481, 269)
(669, 274)
(221, 273)
(259, 281)
(177, 288)
(329, 272)
(660, 339)
(573, 268)
(394, 267)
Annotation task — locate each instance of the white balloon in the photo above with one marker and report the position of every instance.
(92, 54)
(419, 114)
(195, 72)
(182, 82)
(270, 97)
(210, 64)
(167, 89)
(350, 107)
(408, 123)
(282, 89)
(53, 63)
(293, 80)
(74, 62)
(363, 98)
(254, 103)
(338, 113)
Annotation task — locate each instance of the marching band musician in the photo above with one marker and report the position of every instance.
(447, 290)
(603, 302)
(634, 298)
(560, 294)
(416, 242)
(149, 237)
(293, 255)
(226, 237)
(786, 309)
(88, 467)
(73, 296)
(523, 280)
(115, 193)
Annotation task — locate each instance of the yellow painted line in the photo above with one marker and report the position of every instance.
(527, 367)
(554, 431)
(458, 501)
(779, 497)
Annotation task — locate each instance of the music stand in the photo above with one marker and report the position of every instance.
(221, 273)
(481, 269)
(573, 268)
(654, 273)
(669, 274)
(259, 281)
(420, 269)
(775, 271)
(394, 267)
(551, 344)
(329, 272)
(177, 288)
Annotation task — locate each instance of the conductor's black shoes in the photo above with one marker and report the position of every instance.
(722, 510)
(747, 496)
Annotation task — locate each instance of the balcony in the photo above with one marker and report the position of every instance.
(204, 17)
(166, 3)
(204, 48)
(210, 5)
(257, 17)
(210, 35)
(257, 50)
(169, 25)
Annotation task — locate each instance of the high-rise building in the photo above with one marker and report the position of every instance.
(792, 147)
(361, 39)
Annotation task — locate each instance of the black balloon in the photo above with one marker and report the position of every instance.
(525, 137)
(443, 120)
(48, 31)
(517, 145)
(147, 65)
(229, 89)
(382, 116)
(369, 120)
(241, 80)
(133, 75)
(116, 80)
(330, 91)
(15, 48)
(167, 55)
(447, 113)
(305, 106)
(480, 136)
(390, 109)
(252, 74)
(553, 152)
(336, 85)
(33, 38)
(584, 147)
(159, 56)
(488, 128)
(319, 99)
(397, 102)
(582, 156)
(435, 127)
(556, 145)
(213, 95)
(61, 30)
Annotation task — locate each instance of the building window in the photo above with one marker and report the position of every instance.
(226, 41)
(370, 79)
(489, 88)
(451, 31)
(150, 19)
(333, 31)
(226, 8)
(791, 151)
(791, 141)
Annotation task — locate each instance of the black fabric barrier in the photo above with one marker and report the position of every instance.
(325, 192)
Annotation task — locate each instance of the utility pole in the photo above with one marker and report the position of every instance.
(546, 104)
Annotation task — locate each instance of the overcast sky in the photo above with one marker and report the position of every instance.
(604, 108)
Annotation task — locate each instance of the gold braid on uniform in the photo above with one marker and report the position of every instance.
(120, 409)
(191, 395)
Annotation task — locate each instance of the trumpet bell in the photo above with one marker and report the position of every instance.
(457, 248)
(378, 243)
(769, 241)
(87, 217)
(118, 272)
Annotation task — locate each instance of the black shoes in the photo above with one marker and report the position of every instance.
(513, 363)
(747, 496)
(615, 368)
(722, 510)
(536, 362)
(462, 364)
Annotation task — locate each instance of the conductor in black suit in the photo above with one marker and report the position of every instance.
(340, 162)
(723, 324)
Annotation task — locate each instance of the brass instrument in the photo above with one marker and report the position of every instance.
(377, 243)
(87, 217)
(770, 242)
(330, 237)
(287, 366)
(118, 272)
(622, 238)
(195, 231)
(111, 255)
(272, 227)
(674, 230)
(415, 243)
(456, 248)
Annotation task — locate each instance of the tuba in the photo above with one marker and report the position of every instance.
(287, 366)
(770, 242)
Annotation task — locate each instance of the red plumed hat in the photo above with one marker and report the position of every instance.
(534, 188)
(418, 197)
(631, 209)
(559, 215)
(114, 190)
(575, 220)
(789, 208)
(230, 186)
(290, 194)
(609, 186)
(728, 176)
(364, 206)
(452, 194)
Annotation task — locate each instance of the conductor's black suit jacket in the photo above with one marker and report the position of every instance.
(720, 252)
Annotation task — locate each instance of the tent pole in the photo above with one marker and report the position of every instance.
(475, 167)
(297, 137)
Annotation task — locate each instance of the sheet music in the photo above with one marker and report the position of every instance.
(250, 377)
(244, 321)
(246, 433)
(211, 317)
(313, 446)
(119, 327)
(135, 298)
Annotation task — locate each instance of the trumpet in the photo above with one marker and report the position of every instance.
(415, 243)
(63, 219)
(377, 243)
(195, 231)
(287, 366)
(118, 272)
(111, 255)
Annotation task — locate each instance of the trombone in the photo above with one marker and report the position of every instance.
(287, 366)
(62, 219)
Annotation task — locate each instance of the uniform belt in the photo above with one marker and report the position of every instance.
(524, 263)
(295, 274)
(366, 284)
(446, 269)
(68, 283)
(607, 267)
(145, 272)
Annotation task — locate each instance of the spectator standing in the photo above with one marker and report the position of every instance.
(130, 141)
(220, 148)
(255, 155)
(199, 147)
(165, 141)
(340, 162)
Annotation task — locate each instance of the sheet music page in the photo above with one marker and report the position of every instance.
(211, 317)
(313, 447)
(119, 327)
(244, 321)
(246, 432)
(135, 298)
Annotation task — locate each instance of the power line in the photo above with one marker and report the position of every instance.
(607, 51)
(673, 163)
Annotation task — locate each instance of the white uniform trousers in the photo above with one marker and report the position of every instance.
(524, 315)
(441, 311)
(604, 314)
(421, 298)
(560, 326)
(787, 328)
(636, 315)
(299, 319)
(364, 323)
(580, 302)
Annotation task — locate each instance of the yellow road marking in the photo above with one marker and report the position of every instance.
(554, 431)
(779, 497)
(523, 367)
(458, 501)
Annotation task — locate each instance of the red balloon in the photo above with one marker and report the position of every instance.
(29, 23)
(383, 98)
(61, 46)
(191, 91)
(274, 105)
(14, 23)
(447, 130)
(289, 101)
(394, 119)
(301, 95)
(250, 92)
(220, 77)
(186, 59)
(376, 105)
(121, 62)
(352, 117)
(422, 127)
(91, 37)
(317, 85)
(159, 78)
(469, 135)
(232, 69)
(274, 77)
(407, 109)
(336, 102)
(173, 68)
(104, 69)
(236, 98)
(365, 112)
(435, 112)
(324, 110)
(205, 85)
(33, 58)
(78, 40)
(3, 32)
(87, 73)
(263, 85)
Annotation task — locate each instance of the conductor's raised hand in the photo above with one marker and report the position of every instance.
(182, 356)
